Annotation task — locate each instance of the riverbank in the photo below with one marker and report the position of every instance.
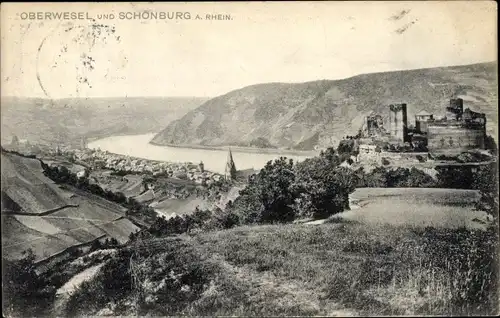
(213, 158)
(242, 149)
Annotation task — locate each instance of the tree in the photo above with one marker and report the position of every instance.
(346, 146)
(418, 178)
(274, 190)
(486, 181)
(490, 144)
(267, 198)
(397, 177)
(199, 217)
(119, 197)
(15, 141)
(22, 287)
(248, 204)
(330, 155)
(322, 187)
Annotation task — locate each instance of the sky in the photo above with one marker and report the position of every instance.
(261, 42)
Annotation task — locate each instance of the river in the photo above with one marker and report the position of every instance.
(213, 159)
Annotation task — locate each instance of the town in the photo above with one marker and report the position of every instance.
(333, 159)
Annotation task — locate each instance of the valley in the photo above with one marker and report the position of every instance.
(282, 215)
(68, 120)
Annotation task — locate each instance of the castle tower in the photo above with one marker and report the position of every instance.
(398, 122)
(455, 110)
(230, 171)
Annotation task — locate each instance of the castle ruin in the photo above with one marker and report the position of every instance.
(398, 122)
(460, 130)
(457, 131)
(373, 126)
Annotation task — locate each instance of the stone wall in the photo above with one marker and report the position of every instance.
(454, 138)
(421, 125)
(403, 155)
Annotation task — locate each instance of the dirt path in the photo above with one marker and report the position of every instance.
(290, 293)
(63, 293)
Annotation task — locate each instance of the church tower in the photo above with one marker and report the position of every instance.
(230, 171)
(83, 143)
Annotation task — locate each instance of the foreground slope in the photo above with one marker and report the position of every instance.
(319, 113)
(336, 269)
(39, 214)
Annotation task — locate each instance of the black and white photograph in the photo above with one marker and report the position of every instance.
(249, 159)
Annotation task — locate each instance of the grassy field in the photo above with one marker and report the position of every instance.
(450, 208)
(168, 207)
(340, 269)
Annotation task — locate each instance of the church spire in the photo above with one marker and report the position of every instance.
(230, 172)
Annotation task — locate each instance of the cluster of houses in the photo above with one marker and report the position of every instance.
(98, 159)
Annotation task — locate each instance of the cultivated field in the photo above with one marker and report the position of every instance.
(24, 183)
(33, 199)
(130, 185)
(49, 219)
(49, 235)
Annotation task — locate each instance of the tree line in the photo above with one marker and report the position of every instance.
(283, 191)
(319, 187)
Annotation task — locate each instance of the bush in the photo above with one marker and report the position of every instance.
(396, 178)
(486, 181)
(96, 245)
(347, 146)
(377, 178)
(75, 252)
(223, 219)
(112, 282)
(455, 177)
(24, 291)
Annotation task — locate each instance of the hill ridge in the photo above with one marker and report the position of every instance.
(319, 113)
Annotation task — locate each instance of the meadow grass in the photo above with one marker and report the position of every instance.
(329, 269)
(371, 269)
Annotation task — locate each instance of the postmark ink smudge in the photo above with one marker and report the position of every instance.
(38, 61)
(85, 36)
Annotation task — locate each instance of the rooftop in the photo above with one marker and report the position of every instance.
(424, 113)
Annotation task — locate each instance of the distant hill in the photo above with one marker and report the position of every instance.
(66, 120)
(303, 115)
